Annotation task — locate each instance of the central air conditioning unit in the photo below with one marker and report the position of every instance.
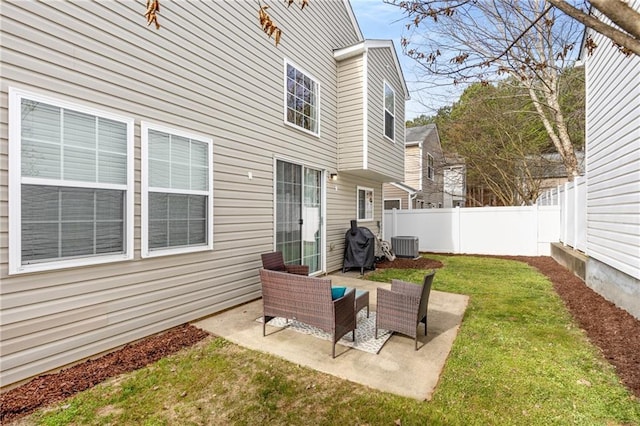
(405, 246)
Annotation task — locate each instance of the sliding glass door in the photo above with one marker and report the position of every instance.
(299, 214)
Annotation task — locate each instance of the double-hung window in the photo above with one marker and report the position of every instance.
(302, 97)
(431, 173)
(365, 203)
(70, 184)
(389, 111)
(177, 193)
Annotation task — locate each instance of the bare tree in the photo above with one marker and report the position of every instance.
(503, 143)
(616, 19)
(625, 32)
(529, 40)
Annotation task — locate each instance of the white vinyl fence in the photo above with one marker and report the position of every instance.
(572, 199)
(519, 231)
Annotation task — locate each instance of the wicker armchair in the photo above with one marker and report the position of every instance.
(275, 262)
(404, 307)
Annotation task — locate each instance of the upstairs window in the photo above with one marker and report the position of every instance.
(71, 200)
(430, 169)
(389, 111)
(176, 191)
(302, 100)
(365, 203)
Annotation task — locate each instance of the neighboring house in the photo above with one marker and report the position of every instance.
(542, 173)
(454, 178)
(423, 185)
(144, 171)
(399, 196)
(549, 170)
(613, 173)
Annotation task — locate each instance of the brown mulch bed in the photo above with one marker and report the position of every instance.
(50, 388)
(615, 331)
(612, 329)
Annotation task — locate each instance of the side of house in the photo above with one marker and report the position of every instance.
(399, 196)
(455, 182)
(424, 171)
(143, 171)
(613, 173)
(432, 169)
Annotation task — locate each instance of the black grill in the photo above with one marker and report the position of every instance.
(359, 248)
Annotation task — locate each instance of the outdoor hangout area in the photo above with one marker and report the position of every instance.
(502, 347)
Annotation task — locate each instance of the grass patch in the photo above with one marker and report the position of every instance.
(518, 359)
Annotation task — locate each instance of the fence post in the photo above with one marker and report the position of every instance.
(565, 213)
(456, 224)
(576, 208)
(394, 223)
(536, 227)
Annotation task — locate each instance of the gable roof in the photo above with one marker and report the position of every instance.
(414, 135)
(363, 46)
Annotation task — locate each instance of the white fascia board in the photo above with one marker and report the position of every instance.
(362, 47)
(349, 51)
(404, 187)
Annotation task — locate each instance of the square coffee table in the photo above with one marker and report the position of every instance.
(362, 301)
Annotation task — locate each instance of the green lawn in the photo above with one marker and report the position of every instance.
(518, 360)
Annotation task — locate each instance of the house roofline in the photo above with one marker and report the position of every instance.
(404, 187)
(354, 21)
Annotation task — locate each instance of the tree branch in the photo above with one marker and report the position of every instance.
(618, 36)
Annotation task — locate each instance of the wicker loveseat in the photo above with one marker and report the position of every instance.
(308, 300)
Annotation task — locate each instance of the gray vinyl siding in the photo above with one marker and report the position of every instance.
(433, 189)
(384, 156)
(394, 193)
(613, 157)
(351, 113)
(211, 71)
(345, 201)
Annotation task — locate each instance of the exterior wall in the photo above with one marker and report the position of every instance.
(413, 166)
(614, 285)
(384, 156)
(454, 186)
(351, 113)
(190, 76)
(342, 197)
(433, 189)
(613, 173)
(392, 192)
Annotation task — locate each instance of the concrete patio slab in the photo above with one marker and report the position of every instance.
(397, 368)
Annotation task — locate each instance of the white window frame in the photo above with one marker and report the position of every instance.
(365, 189)
(16, 180)
(431, 172)
(385, 111)
(317, 98)
(146, 251)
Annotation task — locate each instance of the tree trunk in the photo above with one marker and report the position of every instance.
(560, 138)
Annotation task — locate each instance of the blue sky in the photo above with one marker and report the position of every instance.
(379, 20)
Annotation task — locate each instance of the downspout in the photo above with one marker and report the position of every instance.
(411, 198)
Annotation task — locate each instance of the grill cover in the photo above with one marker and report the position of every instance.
(359, 248)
